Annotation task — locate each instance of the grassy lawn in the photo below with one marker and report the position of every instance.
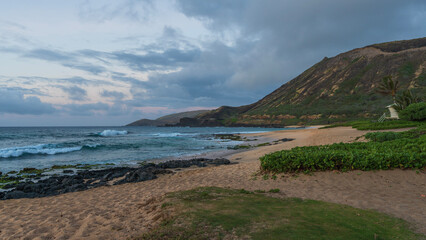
(369, 125)
(217, 213)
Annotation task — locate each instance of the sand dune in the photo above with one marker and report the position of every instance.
(119, 212)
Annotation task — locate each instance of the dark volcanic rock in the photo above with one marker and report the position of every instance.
(286, 140)
(138, 176)
(15, 194)
(219, 161)
(8, 186)
(95, 178)
(199, 162)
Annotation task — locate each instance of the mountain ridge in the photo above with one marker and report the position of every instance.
(167, 119)
(335, 89)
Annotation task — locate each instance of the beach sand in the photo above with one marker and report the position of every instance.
(123, 211)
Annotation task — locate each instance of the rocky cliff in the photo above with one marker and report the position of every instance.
(335, 89)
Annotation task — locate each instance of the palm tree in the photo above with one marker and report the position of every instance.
(388, 87)
(406, 98)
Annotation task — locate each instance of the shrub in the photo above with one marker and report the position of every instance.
(382, 136)
(369, 125)
(414, 112)
(393, 124)
(399, 153)
(389, 136)
(275, 190)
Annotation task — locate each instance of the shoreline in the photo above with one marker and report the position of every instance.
(101, 163)
(123, 211)
(252, 139)
(60, 179)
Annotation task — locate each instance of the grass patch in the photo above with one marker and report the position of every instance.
(239, 147)
(62, 166)
(369, 125)
(389, 136)
(5, 180)
(216, 213)
(244, 191)
(263, 144)
(259, 191)
(232, 137)
(31, 171)
(400, 150)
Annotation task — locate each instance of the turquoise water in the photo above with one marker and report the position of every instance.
(43, 147)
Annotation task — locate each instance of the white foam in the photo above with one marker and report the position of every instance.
(109, 133)
(48, 149)
(92, 145)
(244, 132)
(174, 134)
(166, 134)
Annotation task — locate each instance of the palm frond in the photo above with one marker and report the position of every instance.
(388, 86)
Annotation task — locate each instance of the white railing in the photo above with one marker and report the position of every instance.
(382, 118)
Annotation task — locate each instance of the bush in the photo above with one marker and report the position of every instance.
(414, 112)
(399, 153)
(389, 136)
(369, 125)
(382, 136)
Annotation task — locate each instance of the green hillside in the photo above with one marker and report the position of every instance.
(336, 89)
(168, 119)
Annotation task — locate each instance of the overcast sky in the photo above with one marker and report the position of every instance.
(99, 62)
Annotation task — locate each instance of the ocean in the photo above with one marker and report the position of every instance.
(44, 147)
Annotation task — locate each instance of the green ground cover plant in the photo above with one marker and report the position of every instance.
(217, 213)
(385, 151)
(236, 147)
(389, 136)
(370, 125)
(414, 112)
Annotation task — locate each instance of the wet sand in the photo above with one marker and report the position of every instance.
(123, 211)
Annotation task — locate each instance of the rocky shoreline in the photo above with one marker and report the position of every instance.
(88, 179)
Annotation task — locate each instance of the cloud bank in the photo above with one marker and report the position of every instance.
(147, 58)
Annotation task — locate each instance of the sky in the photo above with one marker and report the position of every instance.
(109, 62)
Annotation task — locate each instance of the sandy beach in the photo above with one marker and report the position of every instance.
(123, 211)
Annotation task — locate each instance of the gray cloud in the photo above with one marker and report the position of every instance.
(85, 109)
(276, 41)
(217, 14)
(48, 55)
(12, 24)
(34, 80)
(134, 10)
(75, 93)
(13, 101)
(87, 67)
(96, 109)
(254, 47)
(156, 60)
(286, 37)
(72, 60)
(83, 81)
(112, 94)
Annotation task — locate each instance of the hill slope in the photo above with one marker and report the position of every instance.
(168, 119)
(335, 89)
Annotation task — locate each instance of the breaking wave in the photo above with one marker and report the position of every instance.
(175, 134)
(109, 133)
(43, 149)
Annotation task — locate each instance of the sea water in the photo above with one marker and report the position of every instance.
(43, 147)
